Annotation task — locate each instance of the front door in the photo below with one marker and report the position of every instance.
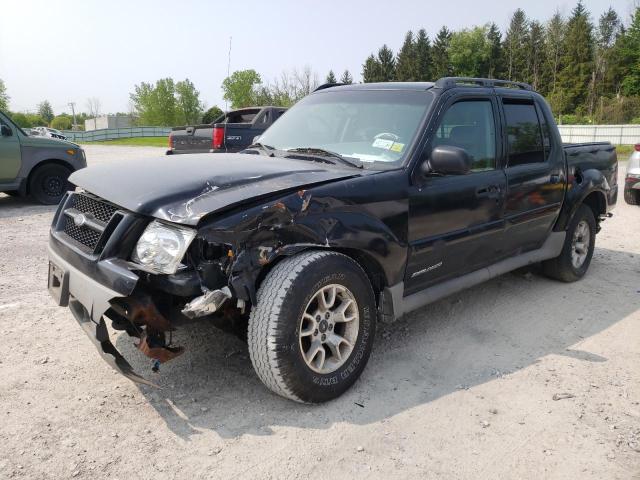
(9, 155)
(455, 221)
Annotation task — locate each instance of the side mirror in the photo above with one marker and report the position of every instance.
(5, 131)
(448, 160)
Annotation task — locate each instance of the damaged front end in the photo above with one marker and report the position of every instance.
(94, 273)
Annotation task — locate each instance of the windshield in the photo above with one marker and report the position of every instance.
(374, 126)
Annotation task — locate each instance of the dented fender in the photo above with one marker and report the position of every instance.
(338, 216)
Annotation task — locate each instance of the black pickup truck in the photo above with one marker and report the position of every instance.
(231, 132)
(364, 202)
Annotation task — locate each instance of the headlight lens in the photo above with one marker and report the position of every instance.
(161, 247)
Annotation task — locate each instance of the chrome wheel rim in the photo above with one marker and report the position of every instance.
(329, 328)
(580, 244)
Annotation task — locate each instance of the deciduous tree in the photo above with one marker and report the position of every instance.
(240, 88)
(4, 97)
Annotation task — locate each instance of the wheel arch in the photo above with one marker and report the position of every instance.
(44, 163)
(371, 267)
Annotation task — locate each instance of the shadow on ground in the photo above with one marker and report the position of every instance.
(467, 339)
(11, 206)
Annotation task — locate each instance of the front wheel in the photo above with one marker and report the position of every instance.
(575, 258)
(49, 183)
(311, 332)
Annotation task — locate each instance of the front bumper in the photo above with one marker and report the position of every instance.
(88, 300)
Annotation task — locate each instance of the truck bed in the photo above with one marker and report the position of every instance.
(236, 131)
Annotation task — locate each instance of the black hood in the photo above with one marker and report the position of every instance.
(185, 188)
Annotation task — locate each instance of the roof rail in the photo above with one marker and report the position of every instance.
(451, 82)
(328, 85)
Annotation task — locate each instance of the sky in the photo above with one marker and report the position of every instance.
(69, 51)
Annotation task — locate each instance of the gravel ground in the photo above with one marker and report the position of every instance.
(465, 388)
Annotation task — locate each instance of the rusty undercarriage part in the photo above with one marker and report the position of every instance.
(207, 304)
(149, 325)
(154, 346)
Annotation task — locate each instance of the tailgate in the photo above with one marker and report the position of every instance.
(240, 136)
(193, 138)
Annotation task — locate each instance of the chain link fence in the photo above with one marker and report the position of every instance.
(616, 134)
(115, 133)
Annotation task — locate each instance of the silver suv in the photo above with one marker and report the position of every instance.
(632, 179)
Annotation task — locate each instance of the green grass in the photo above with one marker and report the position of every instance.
(623, 151)
(134, 141)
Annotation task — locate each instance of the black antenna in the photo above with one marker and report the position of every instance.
(226, 101)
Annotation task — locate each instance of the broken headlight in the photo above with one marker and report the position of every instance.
(161, 247)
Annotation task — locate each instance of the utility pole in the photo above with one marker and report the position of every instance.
(73, 113)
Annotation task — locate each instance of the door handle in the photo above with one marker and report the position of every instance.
(490, 191)
(555, 178)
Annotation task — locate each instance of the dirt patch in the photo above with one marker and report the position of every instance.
(521, 377)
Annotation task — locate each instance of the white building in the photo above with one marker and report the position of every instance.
(108, 121)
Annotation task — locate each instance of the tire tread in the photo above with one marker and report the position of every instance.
(264, 318)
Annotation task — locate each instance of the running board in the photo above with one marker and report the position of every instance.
(401, 305)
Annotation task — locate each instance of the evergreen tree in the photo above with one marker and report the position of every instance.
(495, 62)
(346, 78)
(577, 60)
(387, 64)
(536, 54)
(371, 70)
(630, 53)
(516, 47)
(331, 77)
(423, 57)
(406, 61)
(553, 43)
(606, 35)
(441, 64)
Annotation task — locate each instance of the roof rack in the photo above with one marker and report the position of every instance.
(452, 82)
(328, 85)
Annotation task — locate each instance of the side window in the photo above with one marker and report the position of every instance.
(470, 125)
(524, 134)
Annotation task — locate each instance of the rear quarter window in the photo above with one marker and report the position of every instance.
(524, 133)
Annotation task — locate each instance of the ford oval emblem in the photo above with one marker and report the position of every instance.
(80, 220)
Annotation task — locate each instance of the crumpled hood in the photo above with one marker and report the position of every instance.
(184, 188)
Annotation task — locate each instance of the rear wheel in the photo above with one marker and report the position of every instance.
(49, 183)
(575, 258)
(311, 332)
(632, 196)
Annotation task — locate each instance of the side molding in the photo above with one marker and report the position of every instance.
(394, 305)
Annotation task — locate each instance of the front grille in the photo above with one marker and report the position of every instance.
(97, 211)
(98, 208)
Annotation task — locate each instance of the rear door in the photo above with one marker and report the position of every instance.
(10, 154)
(455, 221)
(535, 175)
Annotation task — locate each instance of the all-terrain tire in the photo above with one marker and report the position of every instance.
(562, 267)
(632, 196)
(49, 183)
(275, 323)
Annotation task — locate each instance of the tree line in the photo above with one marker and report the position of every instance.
(589, 72)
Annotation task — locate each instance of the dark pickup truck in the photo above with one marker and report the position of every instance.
(363, 203)
(232, 132)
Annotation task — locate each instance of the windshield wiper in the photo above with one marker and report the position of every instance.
(268, 149)
(327, 154)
